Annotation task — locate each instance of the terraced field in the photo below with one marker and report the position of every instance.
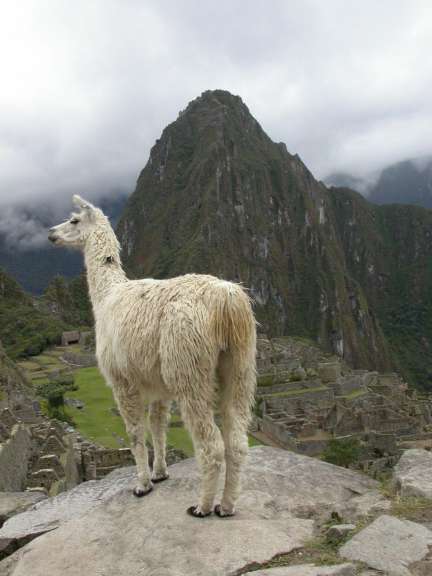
(98, 420)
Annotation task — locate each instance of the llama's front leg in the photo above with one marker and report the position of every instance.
(209, 451)
(134, 414)
(159, 417)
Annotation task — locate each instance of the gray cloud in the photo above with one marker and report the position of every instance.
(21, 231)
(87, 87)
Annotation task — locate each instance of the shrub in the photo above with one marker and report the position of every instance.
(54, 391)
(342, 451)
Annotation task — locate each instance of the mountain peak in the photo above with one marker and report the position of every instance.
(218, 196)
(216, 99)
(218, 109)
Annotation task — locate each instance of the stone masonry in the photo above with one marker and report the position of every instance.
(305, 398)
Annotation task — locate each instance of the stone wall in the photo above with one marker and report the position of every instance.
(305, 403)
(83, 359)
(14, 457)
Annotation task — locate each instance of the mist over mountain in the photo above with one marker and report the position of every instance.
(218, 196)
(25, 252)
(405, 182)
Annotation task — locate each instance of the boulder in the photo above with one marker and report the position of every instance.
(413, 473)
(115, 533)
(389, 544)
(338, 532)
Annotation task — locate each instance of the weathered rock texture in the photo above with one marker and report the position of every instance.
(285, 495)
(217, 195)
(14, 456)
(413, 473)
(12, 503)
(389, 544)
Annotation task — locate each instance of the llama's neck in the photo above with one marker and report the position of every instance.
(102, 261)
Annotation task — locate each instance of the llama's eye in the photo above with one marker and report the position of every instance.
(74, 221)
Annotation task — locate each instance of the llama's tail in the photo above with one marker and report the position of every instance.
(233, 322)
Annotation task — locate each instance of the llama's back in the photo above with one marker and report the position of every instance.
(189, 320)
(230, 320)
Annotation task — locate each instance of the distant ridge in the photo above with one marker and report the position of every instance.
(405, 182)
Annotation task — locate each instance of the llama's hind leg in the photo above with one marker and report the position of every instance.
(159, 417)
(209, 451)
(134, 414)
(238, 387)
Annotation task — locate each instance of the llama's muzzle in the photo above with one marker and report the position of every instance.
(51, 236)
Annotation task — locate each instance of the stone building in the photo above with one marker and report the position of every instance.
(305, 398)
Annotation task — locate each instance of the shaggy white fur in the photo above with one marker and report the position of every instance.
(190, 338)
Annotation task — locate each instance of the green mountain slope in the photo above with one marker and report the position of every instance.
(68, 300)
(24, 329)
(217, 195)
(389, 252)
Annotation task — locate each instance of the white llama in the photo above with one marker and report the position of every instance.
(190, 338)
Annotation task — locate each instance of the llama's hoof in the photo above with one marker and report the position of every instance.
(140, 492)
(218, 510)
(160, 479)
(196, 512)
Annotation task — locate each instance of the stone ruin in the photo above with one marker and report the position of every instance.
(306, 398)
(71, 337)
(95, 462)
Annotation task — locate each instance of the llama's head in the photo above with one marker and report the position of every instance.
(75, 231)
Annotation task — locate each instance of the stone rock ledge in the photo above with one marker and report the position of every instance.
(389, 544)
(285, 497)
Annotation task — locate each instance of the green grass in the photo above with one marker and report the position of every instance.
(254, 441)
(39, 381)
(95, 420)
(98, 423)
(354, 394)
(295, 392)
(55, 352)
(47, 360)
(179, 438)
(265, 380)
(29, 365)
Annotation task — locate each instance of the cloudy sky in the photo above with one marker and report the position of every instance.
(88, 85)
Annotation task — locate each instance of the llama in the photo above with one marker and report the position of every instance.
(191, 339)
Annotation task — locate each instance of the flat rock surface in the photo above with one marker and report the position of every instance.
(116, 533)
(413, 473)
(390, 545)
(309, 570)
(12, 503)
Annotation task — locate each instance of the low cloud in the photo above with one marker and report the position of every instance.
(21, 231)
(87, 87)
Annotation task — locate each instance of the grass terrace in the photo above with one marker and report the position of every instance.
(99, 420)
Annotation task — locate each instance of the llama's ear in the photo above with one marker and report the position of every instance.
(81, 203)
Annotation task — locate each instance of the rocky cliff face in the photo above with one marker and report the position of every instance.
(217, 195)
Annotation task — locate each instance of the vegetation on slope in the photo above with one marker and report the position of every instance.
(25, 330)
(389, 251)
(69, 300)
